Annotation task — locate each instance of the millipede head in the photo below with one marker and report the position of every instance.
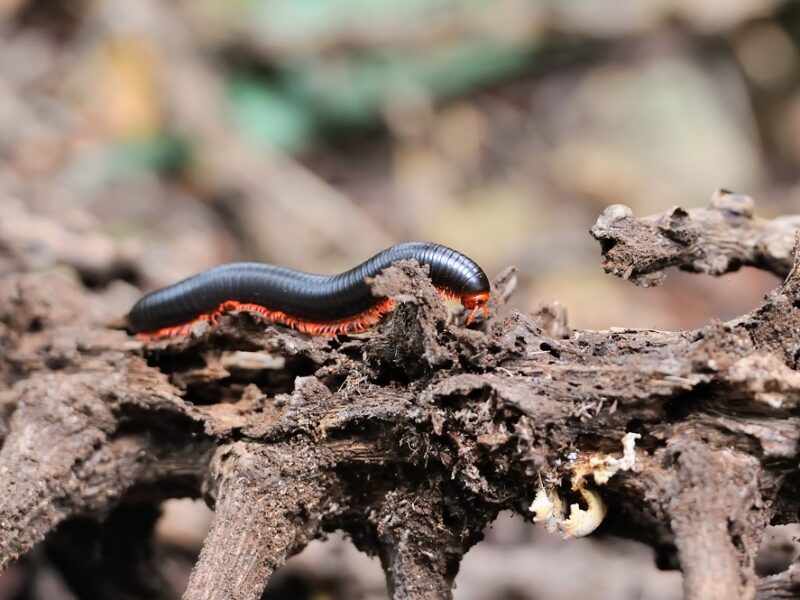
(475, 301)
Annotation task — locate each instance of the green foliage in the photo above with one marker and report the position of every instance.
(286, 109)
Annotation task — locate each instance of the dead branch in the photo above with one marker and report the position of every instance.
(412, 436)
(421, 541)
(714, 240)
(268, 504)
(711, 514)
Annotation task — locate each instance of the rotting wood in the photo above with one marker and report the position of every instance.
(715, 240)
(411, 437)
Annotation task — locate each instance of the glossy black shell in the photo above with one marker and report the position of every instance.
(319, 298)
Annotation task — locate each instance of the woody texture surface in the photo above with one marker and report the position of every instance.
(411, 437)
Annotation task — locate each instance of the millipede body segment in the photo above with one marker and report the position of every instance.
(316, 304)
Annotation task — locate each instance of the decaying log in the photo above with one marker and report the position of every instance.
(411, 437)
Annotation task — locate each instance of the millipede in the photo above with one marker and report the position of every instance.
(315, 304)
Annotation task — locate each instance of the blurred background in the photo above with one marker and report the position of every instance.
(142, 141)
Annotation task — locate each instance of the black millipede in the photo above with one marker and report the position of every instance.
(315, 304)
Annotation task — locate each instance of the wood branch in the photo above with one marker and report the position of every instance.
(411, 436)
(712, 518)
(49, 457)
(67, 451)
(714, 240)
(268, 504)
(422, 538)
